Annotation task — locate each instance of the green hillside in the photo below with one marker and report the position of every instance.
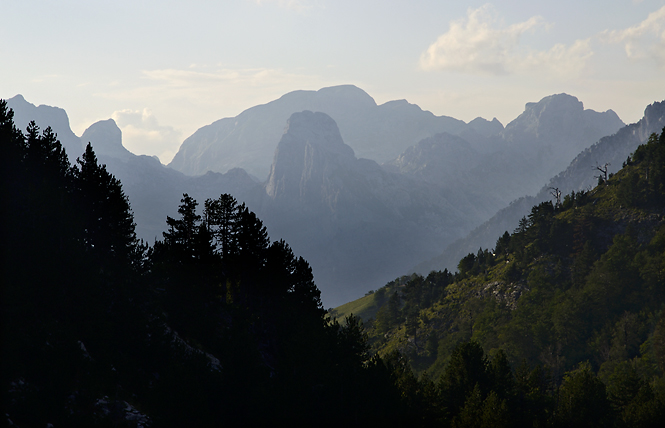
(367, 306)
(579, 284)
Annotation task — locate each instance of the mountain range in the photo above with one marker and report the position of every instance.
(377, 132)
(581, 174)
(364, 192)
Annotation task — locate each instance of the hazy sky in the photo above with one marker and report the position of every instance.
(163, 69)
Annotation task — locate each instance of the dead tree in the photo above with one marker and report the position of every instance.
(556, 194)
(603, 176)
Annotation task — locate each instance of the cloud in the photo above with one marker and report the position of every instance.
(645, 40)
(142, 134)
(560, 59)
(477, 44)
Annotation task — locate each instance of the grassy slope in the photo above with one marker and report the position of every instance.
(365, 308)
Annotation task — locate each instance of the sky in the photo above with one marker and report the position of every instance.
(162, 69)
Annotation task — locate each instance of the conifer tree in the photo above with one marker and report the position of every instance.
(108, 222)
(181, 236)
(222, 216)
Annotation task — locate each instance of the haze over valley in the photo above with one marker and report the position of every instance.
(360, 222)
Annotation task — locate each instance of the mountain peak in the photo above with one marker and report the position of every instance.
(348, 92)
(310, 147)
(559, 115)
(106, 139)
(316, 128)
(554, 103)
(18, 98)
(45, 116)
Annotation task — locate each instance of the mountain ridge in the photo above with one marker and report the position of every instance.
(391, 127)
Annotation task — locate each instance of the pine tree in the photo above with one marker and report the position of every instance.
(222, 216)
(181, 238)
(108, 222)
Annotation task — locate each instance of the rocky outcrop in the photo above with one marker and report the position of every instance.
(484, 171)
(485, 127)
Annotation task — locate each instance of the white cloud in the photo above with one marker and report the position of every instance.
(478, 44)
(561, 60)
(645, 40)
(142, 134)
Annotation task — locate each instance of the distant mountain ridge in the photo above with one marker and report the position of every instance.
(517, 161)
(377, 132)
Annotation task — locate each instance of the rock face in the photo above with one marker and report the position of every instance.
(106, 139)
(307, 156)
(377, 132)
(612, 149)
(45, 116)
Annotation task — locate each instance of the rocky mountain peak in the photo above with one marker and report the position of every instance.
(18, 98)
(559, 127)
(553, 113)
(654, 118)
(106, 139)
(377, 132)
(45, 116)
(310, 149)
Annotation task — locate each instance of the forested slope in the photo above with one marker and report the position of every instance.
(577, 292)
